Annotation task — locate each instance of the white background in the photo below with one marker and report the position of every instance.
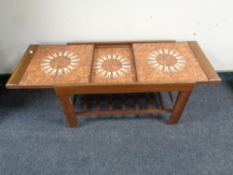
(24, 22)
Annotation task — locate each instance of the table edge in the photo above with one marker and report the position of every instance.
(205, 64)
(13, 82)
(21, 67)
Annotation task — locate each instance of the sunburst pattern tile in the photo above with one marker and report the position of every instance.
(167, 63)
(70, 58)
(112, 65)
(166, 60)
(59, 64)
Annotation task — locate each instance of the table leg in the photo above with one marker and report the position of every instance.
(178, 108)
(69, 110)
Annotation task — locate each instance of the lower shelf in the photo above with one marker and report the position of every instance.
(113, 104)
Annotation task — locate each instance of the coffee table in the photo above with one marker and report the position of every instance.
(116, 68)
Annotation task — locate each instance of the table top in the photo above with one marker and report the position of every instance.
(156, 62)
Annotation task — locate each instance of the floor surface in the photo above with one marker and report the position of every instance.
(35, 139)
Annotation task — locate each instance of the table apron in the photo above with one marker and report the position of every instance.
(107, 89)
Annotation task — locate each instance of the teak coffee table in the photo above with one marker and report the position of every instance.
(115, 68)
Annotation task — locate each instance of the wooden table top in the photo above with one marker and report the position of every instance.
(44, 66)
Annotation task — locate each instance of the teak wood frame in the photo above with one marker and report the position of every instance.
(64, 92)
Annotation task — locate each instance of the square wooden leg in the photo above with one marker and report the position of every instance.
(69, 110)
(178, 108)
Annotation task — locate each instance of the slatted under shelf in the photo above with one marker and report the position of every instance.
(111, 104)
